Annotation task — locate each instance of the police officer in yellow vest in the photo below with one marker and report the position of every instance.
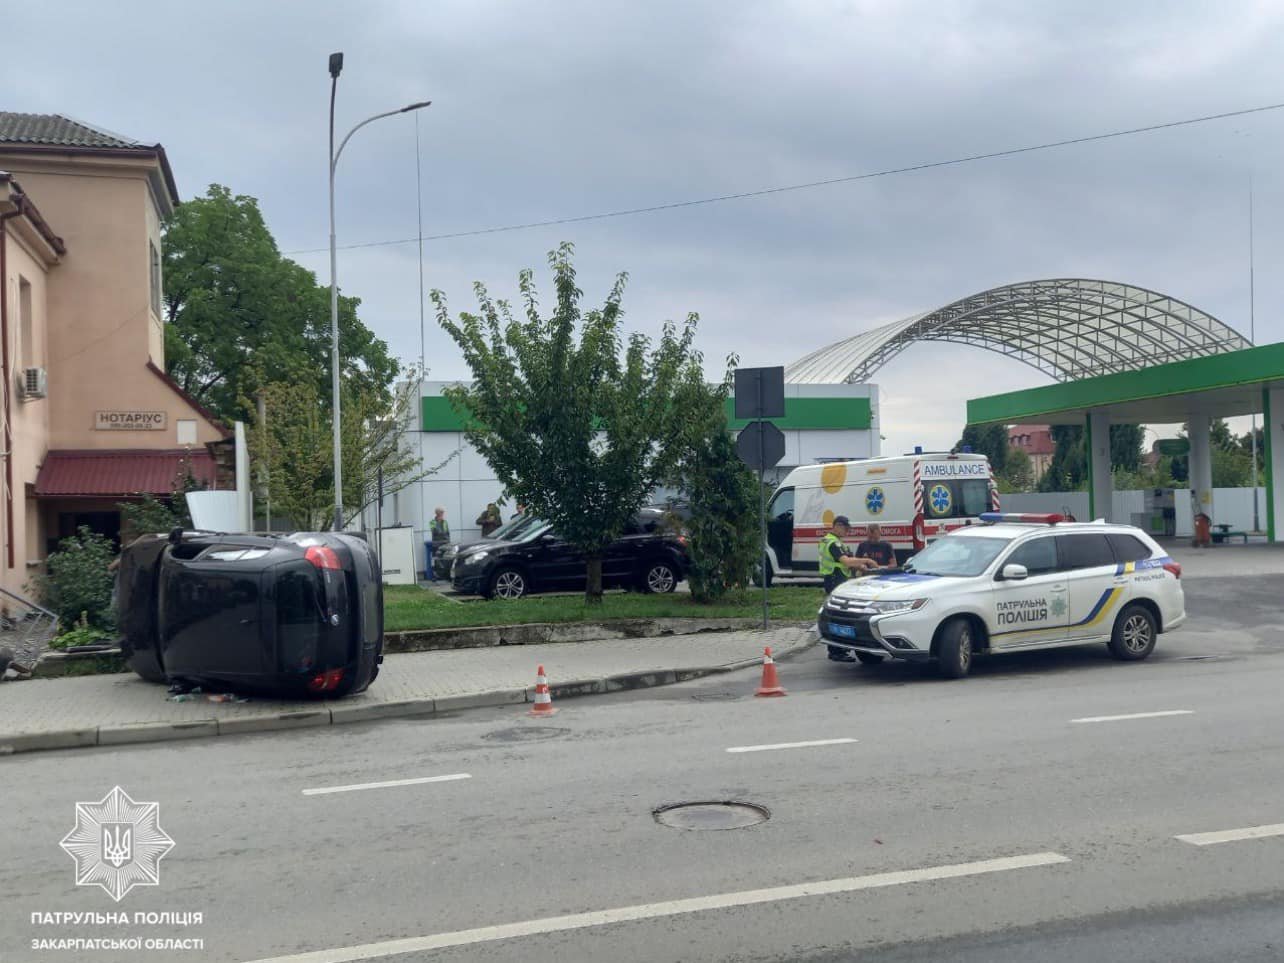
(836, 565)
(836, 561)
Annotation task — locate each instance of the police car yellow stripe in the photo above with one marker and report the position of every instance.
(1102, 608)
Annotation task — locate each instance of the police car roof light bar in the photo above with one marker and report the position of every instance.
(1020, 518)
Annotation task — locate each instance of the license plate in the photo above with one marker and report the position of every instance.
(842, 631)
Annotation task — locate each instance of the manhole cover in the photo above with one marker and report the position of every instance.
(711, 815)
(715, 696)
(525, 734)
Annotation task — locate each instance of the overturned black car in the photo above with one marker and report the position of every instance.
(283, 615)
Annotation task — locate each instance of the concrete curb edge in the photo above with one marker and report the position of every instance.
(341, 713)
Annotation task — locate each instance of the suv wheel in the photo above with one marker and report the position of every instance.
(508, 583)
(1134, 636)
(659, 578)
(956, 648)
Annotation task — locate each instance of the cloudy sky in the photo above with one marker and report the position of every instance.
(563, 108)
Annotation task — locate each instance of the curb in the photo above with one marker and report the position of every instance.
(542, 633)
(341, 713)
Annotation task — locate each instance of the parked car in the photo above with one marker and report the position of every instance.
(444, 558)
(646, 557)
(293, 615)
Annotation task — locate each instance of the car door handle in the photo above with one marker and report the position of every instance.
(1058, 587)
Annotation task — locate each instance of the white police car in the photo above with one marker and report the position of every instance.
(1012, 583)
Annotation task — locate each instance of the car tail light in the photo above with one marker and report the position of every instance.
(326, 681)
(323, 557)
(1174, 567)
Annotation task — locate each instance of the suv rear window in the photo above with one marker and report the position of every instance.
(1128, 548)
(1085, 551)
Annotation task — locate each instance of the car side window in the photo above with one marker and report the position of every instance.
(1128, 548)
(1039, 556)
(1085, 550)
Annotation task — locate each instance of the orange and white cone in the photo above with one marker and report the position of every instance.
(770, 681)
(543, 701)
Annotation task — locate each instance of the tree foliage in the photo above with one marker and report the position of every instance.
(1068, 468)
(241, 315)
(578, 423)
(990, 441)
(722, 495)
(292, 450)
(1018, 472)
(78, 580)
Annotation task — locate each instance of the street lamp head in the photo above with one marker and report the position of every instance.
(336, 64)
(409, 107)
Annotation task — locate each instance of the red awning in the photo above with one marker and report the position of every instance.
(121, 474)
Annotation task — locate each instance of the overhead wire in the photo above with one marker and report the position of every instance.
(809, 185)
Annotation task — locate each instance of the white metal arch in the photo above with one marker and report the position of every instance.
(1068, 328)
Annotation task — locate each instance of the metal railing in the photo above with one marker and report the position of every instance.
(25, 628)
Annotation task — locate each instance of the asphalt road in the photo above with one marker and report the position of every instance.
(970, 821)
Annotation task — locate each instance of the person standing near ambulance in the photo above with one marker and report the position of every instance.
(836, 566)
(836, 561)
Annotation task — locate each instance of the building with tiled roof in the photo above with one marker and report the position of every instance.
(90, 419)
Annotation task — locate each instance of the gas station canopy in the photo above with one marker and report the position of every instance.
(1219, 386)
(1194, 391)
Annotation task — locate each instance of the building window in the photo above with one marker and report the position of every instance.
(155, 278)
(186, 432)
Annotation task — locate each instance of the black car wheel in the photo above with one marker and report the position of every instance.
(660, 578)
(1134, 635)
(508, 583)
(956, 648)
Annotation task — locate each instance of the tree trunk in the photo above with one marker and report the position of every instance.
(593, 586)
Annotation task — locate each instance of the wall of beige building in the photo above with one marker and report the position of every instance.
(25, 290)
(104, 324)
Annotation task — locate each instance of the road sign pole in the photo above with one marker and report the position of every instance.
(762, 528)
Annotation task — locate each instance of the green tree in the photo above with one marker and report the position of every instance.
(990, 441)
(1232, 468)
(722, 495)
(241, 315)
(78, 581)
(1067, 469)
(578, 423)
(1126, 442)
(1018, 473)
(292, 450)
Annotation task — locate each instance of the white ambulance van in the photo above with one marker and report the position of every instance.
(913, 498)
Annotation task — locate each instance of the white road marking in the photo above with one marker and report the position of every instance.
(1232, 835)
(646, 911)
(386, 785)
(791, 745)
(1137, 715)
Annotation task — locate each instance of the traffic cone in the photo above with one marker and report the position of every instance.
(543, 701)
(770, 682)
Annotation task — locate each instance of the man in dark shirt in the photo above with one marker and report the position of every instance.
(876, 549)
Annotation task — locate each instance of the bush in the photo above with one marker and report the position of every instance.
(79, 580)
(82, 634)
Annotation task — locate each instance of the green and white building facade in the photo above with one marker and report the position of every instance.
(821, 423)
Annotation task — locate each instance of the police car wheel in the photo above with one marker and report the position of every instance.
(1134, 636)
(954, 654)
(866, 658)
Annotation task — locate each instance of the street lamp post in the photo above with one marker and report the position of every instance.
(336, 66)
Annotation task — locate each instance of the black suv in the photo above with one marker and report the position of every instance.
(648, 557)
(294, 615)
(443, 558)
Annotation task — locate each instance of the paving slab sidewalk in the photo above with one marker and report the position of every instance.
(105, 710)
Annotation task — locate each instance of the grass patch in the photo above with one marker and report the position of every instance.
(408, 607)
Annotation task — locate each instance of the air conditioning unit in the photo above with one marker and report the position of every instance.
(34, 383)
